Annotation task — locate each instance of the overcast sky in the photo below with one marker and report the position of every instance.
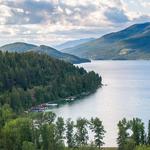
(55, 21)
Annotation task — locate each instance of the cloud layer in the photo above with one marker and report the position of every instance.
(54, 21)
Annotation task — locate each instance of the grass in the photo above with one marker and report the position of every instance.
(110, 148)
(92, 148)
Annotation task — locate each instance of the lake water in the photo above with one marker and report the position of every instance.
(127, 94)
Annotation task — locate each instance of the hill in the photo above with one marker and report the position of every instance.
(59, 55)
(130, 43)
(73, 43)
(17, 47)
(24, 47)
(28, 79)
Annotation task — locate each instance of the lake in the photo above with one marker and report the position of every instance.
(127, 94)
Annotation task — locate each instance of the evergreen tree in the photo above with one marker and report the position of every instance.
(98, 130)
(29, 79)
(137, 127)
(123, 126)
(81, 133)
(48, 135)
(70, 133)
(148, 136)
(60, 129)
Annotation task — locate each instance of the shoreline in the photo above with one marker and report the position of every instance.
(62, 101)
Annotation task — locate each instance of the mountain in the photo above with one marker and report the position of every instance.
(17, 47)
(70, 44)
(24, 47)
(130, 43)
(59, 55)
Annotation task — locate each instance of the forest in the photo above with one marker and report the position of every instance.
(132, 135)
(29, 79)
(46, 131)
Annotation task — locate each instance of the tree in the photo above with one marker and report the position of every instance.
(60, 129)
(123, 126)
(49, 117)
(15, 132)
(81, 133)
(49, 138)
(47, 135)
(28, 146)
(137, 127)
(6, 114)
(98, 130)
(130, 144)
(143, 135)
(36, 136)
(69, 133)
(148, 136)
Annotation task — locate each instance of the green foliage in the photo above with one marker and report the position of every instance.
(28, 79)
(122, 134)
(70, 133)
(6, 114)
(131, 134)
(129, 145)
(142, 147)
(48, 117)
(148, 138)
(137, 127)
(28, 146)
(82, 133)
(43, 131)
(60, 129)
(49, 140)
(15, 132)
(98, 130)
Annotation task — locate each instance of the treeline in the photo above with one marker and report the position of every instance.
(28, 79)
(45, 131)
(132, 135)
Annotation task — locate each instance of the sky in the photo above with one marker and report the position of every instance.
(52, 22)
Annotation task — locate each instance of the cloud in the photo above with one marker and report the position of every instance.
(52, 21)
(28, 11)
(57, 11)
(116, 15)
(5, 13)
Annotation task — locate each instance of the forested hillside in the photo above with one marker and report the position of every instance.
(28, 79)
(131, 43)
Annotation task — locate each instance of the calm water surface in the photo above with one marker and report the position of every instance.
(127, 94)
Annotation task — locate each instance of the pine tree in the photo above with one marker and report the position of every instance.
(70, 133)
(60, 129)
(81, 133)
(148, 136)
(137, 127)
(122, 134)
(98, 130)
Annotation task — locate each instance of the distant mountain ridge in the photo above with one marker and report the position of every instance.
(70, 44)
(17, 47)
(25, 47)
(130, 43)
